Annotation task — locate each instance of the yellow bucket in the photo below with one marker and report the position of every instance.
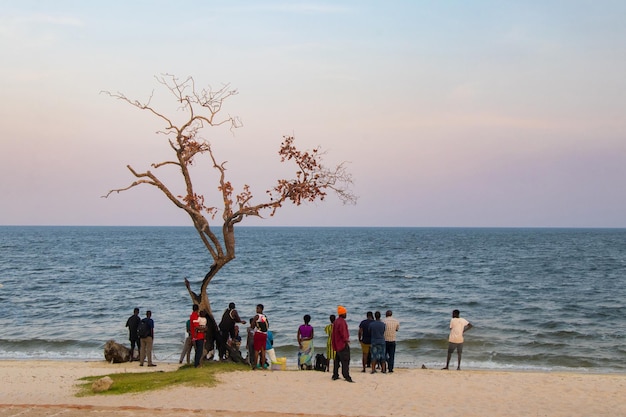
(280, 364)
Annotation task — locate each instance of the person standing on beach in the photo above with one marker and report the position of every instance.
(187, 344)
(230, 318)
(330, 352)
(250, 341)
(341, 344)
(458, 326)
(365, 338)
(391, 328)
(269, 348)
(197, 334)
(305, 336)
(145, 350)
(260, 337)
(377, 348)
(133, 323)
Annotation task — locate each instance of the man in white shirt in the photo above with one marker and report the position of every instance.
(458, 326)
(391, 328)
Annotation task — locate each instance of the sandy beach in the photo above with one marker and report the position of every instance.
(45, 388)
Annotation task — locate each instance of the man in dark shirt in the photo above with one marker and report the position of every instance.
(230, 319)
(365, 337)
(146, 342)
(377, 329)
(132, 323)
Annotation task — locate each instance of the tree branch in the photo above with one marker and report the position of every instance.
(312, 180)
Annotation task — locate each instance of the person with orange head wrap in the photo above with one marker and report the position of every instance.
(340, 339)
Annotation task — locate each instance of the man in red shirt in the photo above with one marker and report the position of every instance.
(340, 339)
(196, 336)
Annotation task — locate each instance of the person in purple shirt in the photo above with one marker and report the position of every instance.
(305, 344)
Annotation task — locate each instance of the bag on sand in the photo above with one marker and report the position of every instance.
(321, 363)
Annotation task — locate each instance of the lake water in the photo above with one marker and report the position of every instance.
(540, 299)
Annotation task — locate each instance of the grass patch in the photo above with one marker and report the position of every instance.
(135, 382)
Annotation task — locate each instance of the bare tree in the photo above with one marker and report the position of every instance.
(201, 108)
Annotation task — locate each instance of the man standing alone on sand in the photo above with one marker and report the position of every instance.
(133, 323)
(391, 328)
(340, 339)
(458, 326)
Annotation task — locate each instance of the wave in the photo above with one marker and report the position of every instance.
(532, 295)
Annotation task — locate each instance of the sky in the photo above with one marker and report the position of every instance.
(447, 113)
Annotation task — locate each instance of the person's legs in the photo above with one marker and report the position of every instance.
(459, 351)
(221, 343)
(186, 350)
(132, 349)
(225, 344)
(199, 348)
(271, 355)
(260, 339)
(142, 353)
(182, 353)
(189, 346)
(451, 347)
(230, 336)
(391, 354)
(336, 363)
(149, 350)
(376, 360)
(262, 360)
(383, 358)
(365, 350)
(262, 353)
(345, 363)
(250, 347)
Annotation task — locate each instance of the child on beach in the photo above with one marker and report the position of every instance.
(236, 340)
(201, 322)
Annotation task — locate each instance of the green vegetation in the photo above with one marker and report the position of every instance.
(134, 382)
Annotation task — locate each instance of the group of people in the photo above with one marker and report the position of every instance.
(202, 337)
(141, 334)
(377, 338)
(378, 341)
(376, 335)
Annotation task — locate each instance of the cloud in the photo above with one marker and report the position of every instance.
(320, 8)
(35, 30)
(51, 20)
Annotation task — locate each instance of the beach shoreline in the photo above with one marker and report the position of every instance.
(48, 387)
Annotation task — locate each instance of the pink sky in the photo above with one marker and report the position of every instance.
(450, 113)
